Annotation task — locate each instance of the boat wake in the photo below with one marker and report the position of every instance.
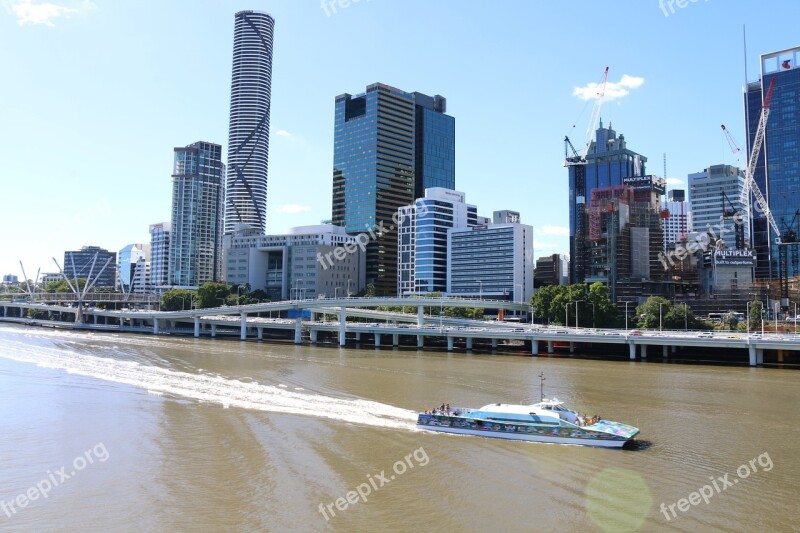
(215, 389)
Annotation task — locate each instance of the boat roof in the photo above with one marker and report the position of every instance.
(518, 409)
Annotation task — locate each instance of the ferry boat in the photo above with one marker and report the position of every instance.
(546, 421)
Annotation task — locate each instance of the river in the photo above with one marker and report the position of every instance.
(124, 432)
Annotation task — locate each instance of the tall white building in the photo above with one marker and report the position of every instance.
(159, 254)
(422, 239)
(714, 192)
(675, 225)
(491, 261)
(308, 262)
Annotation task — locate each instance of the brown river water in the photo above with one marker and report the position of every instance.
(122, 432)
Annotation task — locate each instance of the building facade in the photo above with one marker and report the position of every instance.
(608, 162)
(675, 223)
(159, 254)
(127, 262)
(308, 262)
(715, 204)
(382, 157)
(552, 270)
(248, 135)
(195, 254)
(89, 262)
(493, 261)
(776, 171)
(422, 234)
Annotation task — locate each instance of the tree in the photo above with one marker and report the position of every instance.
(650, 314)
(756, 311)
(604, 311)
(368, 292)
(730, 320)
(211, 294)
(177, 300)
(62, 285)
(681, 316)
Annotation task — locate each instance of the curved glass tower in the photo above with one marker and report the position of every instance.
(248, 136)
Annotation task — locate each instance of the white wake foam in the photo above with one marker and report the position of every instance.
(213, 389)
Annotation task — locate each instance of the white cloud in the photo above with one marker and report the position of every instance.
(294, 208)
(614, 90)
(675, 181)
(283, 133)
(554, 230)
(30, 12)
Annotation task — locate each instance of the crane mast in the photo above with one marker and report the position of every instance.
(580, 159)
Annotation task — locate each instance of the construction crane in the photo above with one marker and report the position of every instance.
(580, 159)
(730, 211)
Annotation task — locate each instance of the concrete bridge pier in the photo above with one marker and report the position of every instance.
(213, 330)
(313, 333)
(450, 344)
(469, 343)
(644, 351)
(298, 330)
(313, 316)
(94, 317)
(377, 340)
(342, 327)
(550, 348)
(534, 347)
(752, 353)
(197, 326)
(759, 356)
(243, 326)
(494, 344)
(571, 347)
(666, 352)
(358, 336)
(632, 350)
(420, 316)
(420, 341)
(155, 326)
(395, 339)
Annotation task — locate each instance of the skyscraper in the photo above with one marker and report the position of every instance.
(388, 146)
(715, 196)
(777, 172)
(195, 254)
(159, 250)
(90, 263)
(608, 162)
(248, 138)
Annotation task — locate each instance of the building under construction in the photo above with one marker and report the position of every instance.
(623, 241)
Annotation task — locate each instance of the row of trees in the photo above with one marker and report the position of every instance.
(453, 312)
(211, 294)
(558, 304)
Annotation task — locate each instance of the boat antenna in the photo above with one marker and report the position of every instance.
(541, 385)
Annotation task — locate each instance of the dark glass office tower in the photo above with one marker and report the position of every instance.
(195, 253)
(777, 172)
(608, 162)
(388, 144)
(248, 140)
(435, 164)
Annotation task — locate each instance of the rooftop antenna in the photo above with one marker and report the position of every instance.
(541, 386)
(744, 41)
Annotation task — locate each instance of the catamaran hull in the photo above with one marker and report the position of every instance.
(604, 443)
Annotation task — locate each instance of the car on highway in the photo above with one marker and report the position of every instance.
(705, 335)
(635, 332)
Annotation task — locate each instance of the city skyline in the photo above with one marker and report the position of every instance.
(653, 95)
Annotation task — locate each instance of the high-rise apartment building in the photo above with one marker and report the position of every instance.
(388, 145)
(422, 258)
(715, 204)
(608, 162)
(195, 254)
(248, 139)
(159, 254)
(777, 172)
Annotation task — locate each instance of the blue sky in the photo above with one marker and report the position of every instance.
(96, 94)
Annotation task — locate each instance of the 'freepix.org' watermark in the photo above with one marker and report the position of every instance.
(664, 4)
(706, 492)
(371, 234)
(376, 482)
(54, 479)
(329, 6)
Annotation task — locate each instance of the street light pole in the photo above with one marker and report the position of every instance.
(480, 289)
(685, 317)
(348, 288)
(748, 317)
(576, 314)
(626, 317)
(566, 314)
(659, 315)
